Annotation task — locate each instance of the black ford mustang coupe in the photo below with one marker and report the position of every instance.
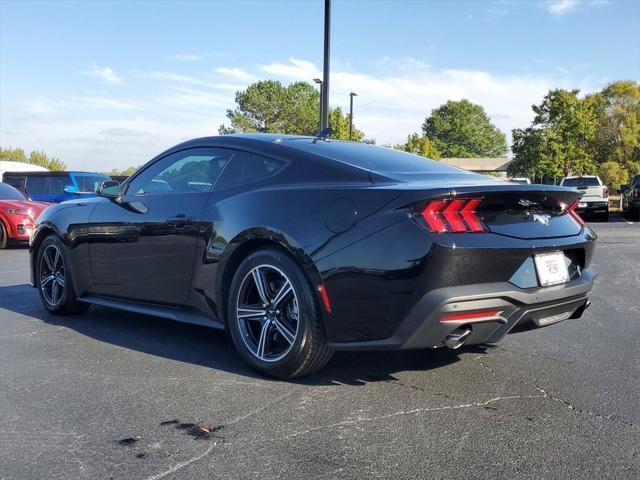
(300, 246)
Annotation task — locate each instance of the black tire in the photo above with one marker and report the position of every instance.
(52, 273)
(4, 238)
(289, 355)
(635, 214)
(604, 217)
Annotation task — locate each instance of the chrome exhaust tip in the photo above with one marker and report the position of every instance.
(458, 337)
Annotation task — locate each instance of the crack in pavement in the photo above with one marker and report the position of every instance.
(568, 404)
(415, 411)
(572, 407)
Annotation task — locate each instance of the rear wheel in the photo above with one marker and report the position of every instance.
(55, 282)
(604, 217)
(274, 317)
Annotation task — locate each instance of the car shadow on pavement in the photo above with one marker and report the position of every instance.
(210, 347)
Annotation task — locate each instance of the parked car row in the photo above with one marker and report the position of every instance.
(55, 187)
(17, 215)
(25, 193)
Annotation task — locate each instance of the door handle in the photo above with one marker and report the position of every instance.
(180, 221)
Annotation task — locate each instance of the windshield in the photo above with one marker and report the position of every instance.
(581, 182)
(89, 183)
(7, 192)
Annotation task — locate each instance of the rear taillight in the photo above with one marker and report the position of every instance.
(605, 192)
(635, 193)
(455, 216)
(571, 210)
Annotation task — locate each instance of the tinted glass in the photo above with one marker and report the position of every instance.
(17, 181)
(581, 182)
(190, 171)
(247, 167)
(56, 184)
(36, 185)
(7, 192)
(636, 180)
(89, 183)
(379, 159)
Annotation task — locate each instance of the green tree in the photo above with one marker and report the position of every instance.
(40, 158)
(463, 129)
(269, 106)
(618, 133)
(420, 145)
(13, 154)
(114, 172)
(613, 174)
(560, 139)
(36, 158)
(339, 125)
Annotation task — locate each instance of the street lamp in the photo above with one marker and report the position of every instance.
(351, 95)
(319, 82)
(325, 71)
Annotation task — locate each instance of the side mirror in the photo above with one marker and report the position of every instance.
(70, 189)
(109, 189)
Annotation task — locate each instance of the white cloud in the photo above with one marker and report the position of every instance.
(186, 57)
(296, 69)
(395, 101)
(394, 97)
(237, 73)
(105, 74)
(560, 7)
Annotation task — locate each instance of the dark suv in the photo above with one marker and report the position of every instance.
(631, 198)
(55, 186)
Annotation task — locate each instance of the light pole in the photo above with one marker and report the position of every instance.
(319, 82)
(351, 95)
(325, 74)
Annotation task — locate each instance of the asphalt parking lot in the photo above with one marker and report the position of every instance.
(119, 395)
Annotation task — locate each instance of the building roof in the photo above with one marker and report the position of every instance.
(481, 164)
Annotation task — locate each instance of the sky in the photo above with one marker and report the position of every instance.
(105, 85)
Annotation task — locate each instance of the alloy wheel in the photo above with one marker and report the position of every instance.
(267, 313)
(52, 273)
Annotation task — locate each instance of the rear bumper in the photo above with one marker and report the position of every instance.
(423, 328)
(594, 207)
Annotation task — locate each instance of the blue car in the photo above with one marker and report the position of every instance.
(55, 186)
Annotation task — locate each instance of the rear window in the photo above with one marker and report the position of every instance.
(371, 157)
(581, 182)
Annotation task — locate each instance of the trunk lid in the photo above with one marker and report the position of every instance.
(513, 210)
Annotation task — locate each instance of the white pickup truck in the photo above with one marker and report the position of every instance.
(595, 195)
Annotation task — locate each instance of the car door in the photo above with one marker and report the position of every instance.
(142, 246)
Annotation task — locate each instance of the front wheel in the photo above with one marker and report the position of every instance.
(55, 282)
(274, 317)
(4, 237)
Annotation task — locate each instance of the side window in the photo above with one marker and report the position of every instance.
(57, 184)
(247, 167)
(16, 181)
(189, 171)
(35, 185)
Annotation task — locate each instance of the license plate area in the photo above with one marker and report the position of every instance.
(551, 268)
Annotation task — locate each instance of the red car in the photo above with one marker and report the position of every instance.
(17, 215)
